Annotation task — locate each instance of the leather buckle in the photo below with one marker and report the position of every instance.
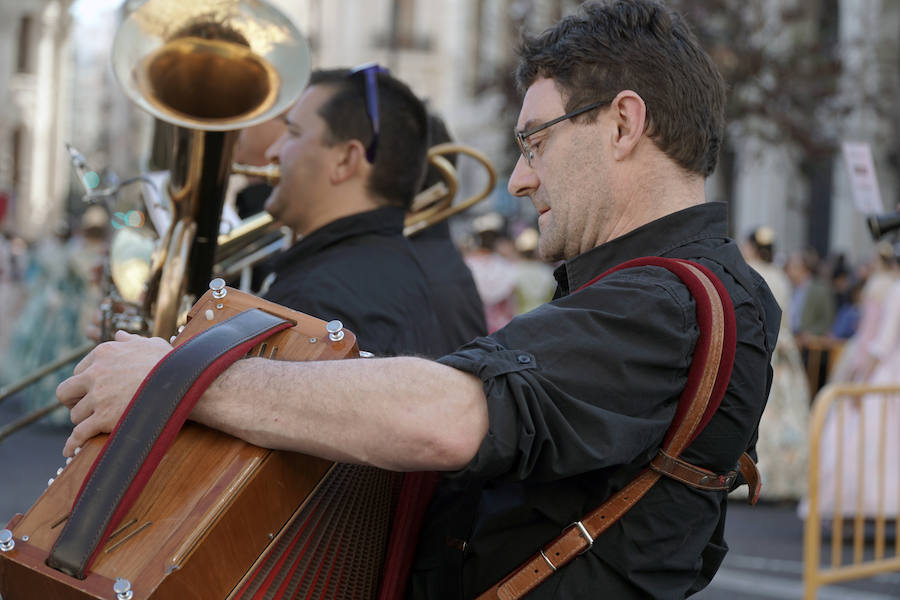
(547, 560)
(584, 533)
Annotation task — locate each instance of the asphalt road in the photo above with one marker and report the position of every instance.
(764, 563)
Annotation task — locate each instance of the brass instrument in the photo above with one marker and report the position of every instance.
(427, 212)
(208, 67)
(429, 207)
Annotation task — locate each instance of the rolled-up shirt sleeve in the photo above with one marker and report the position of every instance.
(588, 381)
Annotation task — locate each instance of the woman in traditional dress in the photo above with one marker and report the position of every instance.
(782, 443)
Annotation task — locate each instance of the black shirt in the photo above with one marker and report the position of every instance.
(457, 303)
(580, 393)
(361, 270)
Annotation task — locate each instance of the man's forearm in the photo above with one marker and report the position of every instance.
(395, 413)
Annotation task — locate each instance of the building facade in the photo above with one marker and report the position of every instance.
(459, 55)
(34, 173)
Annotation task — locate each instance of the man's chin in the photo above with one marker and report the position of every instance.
(271, 204)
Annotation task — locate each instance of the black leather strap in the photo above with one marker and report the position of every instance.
(156, 410)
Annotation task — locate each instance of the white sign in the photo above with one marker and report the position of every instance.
(863, 182)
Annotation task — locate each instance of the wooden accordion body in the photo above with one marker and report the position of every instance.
(221, 518)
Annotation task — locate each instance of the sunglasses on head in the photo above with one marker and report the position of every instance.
(370, 71)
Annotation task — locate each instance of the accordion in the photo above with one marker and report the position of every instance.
(222, 518)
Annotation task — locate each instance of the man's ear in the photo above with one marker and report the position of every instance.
(349, 160)
(629, 114)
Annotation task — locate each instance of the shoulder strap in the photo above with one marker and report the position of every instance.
(707, 379)
(145, 431)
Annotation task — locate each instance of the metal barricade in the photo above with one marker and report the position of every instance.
(819, 355)
(853, 480)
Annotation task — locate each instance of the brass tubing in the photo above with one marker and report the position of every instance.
(415, 222)
(23, 383)
(22, 422)
(271, 173)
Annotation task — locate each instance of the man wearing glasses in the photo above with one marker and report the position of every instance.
(542, 421)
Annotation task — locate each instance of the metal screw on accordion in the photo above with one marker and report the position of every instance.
(122, 588)
(7, 541)
(217, 285)
(335, 330)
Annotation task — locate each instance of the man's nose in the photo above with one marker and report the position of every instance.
(274, 149)
(523, 181)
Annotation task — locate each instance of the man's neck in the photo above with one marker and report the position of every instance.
(342, 205)
(659, 192)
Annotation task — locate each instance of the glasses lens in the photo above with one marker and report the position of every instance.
(523, 147)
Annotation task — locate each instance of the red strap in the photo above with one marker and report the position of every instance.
(714, 350)
(146, 430)
(679, 268)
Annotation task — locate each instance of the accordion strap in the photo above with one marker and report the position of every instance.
(707, 379)
(145, 431)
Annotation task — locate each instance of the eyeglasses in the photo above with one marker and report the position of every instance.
(371, 71)
(522, 136)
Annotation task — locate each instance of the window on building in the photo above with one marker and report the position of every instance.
(23, 57)
(403, 34)
(18, 152)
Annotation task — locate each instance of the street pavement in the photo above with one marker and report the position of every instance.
(765, 560)
(764, 563)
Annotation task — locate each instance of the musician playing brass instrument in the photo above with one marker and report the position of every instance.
(541, 422)
(344, 190)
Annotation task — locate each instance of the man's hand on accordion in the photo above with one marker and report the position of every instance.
(105, 381)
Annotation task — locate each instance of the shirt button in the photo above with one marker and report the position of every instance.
(523, 359)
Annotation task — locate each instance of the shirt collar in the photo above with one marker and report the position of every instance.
(656, 238)
(387, 221)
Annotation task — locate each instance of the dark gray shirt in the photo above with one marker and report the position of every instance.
(580, 393)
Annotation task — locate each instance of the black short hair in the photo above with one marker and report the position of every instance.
(403, 130)
(643, 46)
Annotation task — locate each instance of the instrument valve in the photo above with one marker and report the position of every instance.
(7, 541)
(335, 330)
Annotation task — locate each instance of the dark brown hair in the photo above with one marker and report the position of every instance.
(400, 154)
(646, 47)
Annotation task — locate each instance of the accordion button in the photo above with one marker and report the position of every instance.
(7, 542)
(335, 330)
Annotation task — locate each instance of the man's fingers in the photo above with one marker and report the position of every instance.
(80, 434)
(85, 362)
(81, 411)
(124, 336)
(73, 389)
